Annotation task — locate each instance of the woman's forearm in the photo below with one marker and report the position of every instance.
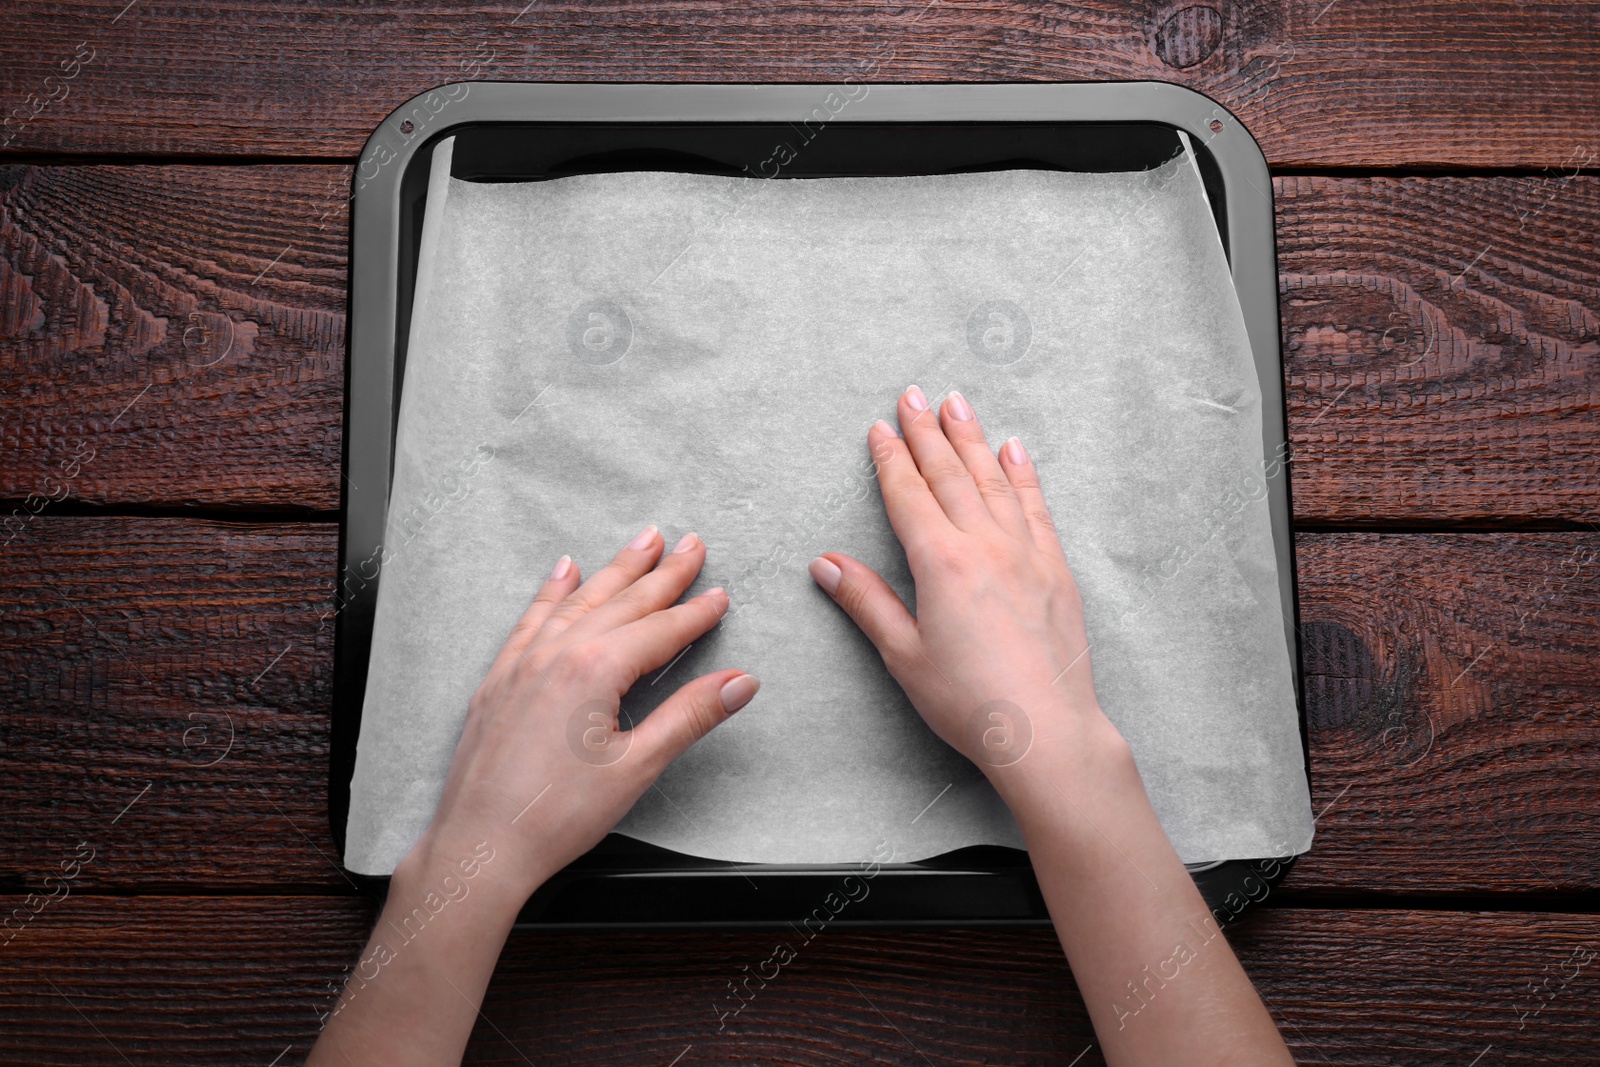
(1160, 981)
(430, 958)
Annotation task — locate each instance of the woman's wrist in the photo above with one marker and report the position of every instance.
(446, 869)
(1075, 753)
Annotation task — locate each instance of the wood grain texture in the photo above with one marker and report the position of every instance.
(239, 980)
(1442, 341)
(173, 980)
(1356, 988)
(174, 336)
(166, 688)
(1453, 698)
(1442, 347)
(181, 328)
(1453, 690)
(1490, 83)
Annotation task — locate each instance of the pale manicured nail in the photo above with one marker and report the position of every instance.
(646, 536)
(686, 544)
(826, 573)
(956, 406)
(563, 565)
(1016, 454)
(737, 692)
(714, 590)
(886, 428)
(915, 398)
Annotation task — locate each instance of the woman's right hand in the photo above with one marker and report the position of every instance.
(997, 662)
(996, 658)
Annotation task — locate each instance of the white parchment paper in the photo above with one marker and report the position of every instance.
(593, 354)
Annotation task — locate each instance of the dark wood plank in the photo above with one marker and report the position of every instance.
(1442, 340)
(173, 980)
(166, 687)
(241, 980)
(1491, 83)
(1442, 344)
(173, 335)
(1344, 987)
(1453, 683)
(1453, 692)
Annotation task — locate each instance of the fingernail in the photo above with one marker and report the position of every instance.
(737, 692)
(714, 590)
(563, 565)
(686, 544)
(826, 573)
(646, 536)
(1015, 453)
(956, 407)
(915, 398)
(886, 428)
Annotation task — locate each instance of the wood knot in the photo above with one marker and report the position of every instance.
(1370, 693)
(1189, 36)
(1340, 674)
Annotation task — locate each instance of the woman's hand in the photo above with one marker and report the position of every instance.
(996, 657)
(542, 771)
(997, 662)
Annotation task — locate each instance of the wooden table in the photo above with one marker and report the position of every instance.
(173, 239)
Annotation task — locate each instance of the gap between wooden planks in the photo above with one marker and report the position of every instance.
(174, 337)
(168, 685)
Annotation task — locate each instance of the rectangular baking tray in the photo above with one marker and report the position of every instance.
(527, 132)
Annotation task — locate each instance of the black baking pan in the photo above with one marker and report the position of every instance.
(528, 132)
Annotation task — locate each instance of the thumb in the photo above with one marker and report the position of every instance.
(692, 712)
(870, 602)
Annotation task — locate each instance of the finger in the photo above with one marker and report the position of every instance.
(659, 589)
(625, 568)
(938, 463)
(913, 512)
(659, 638)
(961, 428)
(556, 588)
(689, 714)
(1024, 478)
(871, 603)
